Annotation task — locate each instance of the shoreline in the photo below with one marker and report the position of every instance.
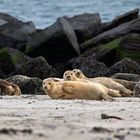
(41, 117)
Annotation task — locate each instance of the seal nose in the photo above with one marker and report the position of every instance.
(68, 76)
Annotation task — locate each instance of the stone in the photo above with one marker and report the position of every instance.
(85, 25)
(11, 59)
(37, 67)
(121, 30)
(126, 17)
(15, 32)
(27, 85)
(89, 65)
(130, 47)
(127, 76)
(126, 65)
(57, 43)
(106, 51)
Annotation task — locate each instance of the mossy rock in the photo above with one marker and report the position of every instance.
(105, 48)
(28, 49)
(130, 47)
(11, 59)
(107, 52)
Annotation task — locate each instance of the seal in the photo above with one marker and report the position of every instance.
(128, 84)
(108, 82)
(75, 90)
(70, 76)
(7, 88)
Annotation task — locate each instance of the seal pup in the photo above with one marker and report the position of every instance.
(108, 82)
(75, 90)
(7, 88)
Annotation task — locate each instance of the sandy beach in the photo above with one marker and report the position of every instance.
(39, 117)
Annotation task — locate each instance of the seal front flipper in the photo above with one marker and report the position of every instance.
(68, 88)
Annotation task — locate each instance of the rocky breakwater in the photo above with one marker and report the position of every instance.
(29, 55)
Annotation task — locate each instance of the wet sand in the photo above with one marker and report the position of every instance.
(39, 117)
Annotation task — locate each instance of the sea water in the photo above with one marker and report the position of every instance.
(44, 12)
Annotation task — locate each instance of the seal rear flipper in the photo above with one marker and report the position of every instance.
(107, 97)
(114, 93)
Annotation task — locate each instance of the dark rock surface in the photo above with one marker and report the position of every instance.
(125, 66)
(11, 59)
(2, 75)
(126, 17)
(130, 47)
(123, 29)
(127, 76)
(57, 43)
(27, 85)
(14, 33)
(37, 67)
(85, 25)
(89, 65)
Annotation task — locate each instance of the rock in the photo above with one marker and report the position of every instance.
(123, 29)
(27, 85)
(136, 91)
(126, 17)
(89, 65)
(57, 43)
(37, 67)
(127, 76)
(106, 51)
(130, 47)
(125, 66)
(57, 70)
(2, 75)
(11, 59)
(15, 31)
(86, 25)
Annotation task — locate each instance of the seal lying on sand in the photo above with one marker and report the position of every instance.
(108, 82)
(75, 90)
(70, 76)
(7, 88)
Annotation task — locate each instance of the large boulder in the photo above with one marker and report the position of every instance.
(125, 66)
(2, 75)
(121, 30)
(127, 76)
(37, 67)
(106, 51)
(126, 17)
(89, 65)
(130, 47)
(16, 32)
(57, 43)
(27, 85)
(86, 25)
(11, 59)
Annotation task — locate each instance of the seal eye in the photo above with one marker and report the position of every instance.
(65, 74)
(71, 74)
